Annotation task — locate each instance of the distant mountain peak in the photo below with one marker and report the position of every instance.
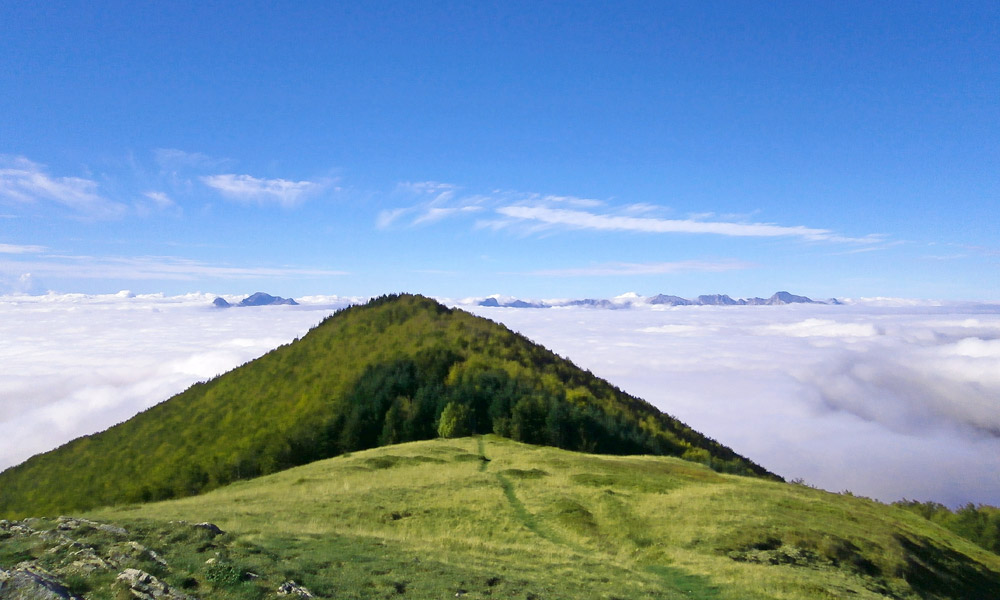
(255, 299)
(262, 299)
(786, 298)
(717, 300)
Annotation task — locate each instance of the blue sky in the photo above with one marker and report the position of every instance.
(540, 150)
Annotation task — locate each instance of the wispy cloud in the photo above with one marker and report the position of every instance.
(435, 201)
(658, 268)
(21, 249)
(24, 182)
(172, 159)
(249, 189)
(578, 219)
(152, 268)
(160, 199)
(538, 213)
(155, 202)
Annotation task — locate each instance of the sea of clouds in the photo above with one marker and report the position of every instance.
(888, 399)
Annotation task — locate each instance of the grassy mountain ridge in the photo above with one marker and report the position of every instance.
(488, 517)
(380, 373)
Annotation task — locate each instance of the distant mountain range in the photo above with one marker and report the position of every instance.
(630, 300)
(256, 299)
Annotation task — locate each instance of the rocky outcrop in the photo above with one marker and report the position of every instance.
(30, 582)
(144, 586)
(211, 528)
(290, 588)
(75, 548)
(72, 524)
(126, 551)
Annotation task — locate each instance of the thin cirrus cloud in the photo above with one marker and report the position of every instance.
(152, 268)
(436, 202)
(21, 249)
(657, 268)
(249, 189)
(25, 183)
(536, 213)
(579, 219)
(172, 159)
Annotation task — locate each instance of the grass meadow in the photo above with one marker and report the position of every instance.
(486, 517)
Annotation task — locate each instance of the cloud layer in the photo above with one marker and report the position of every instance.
(76, 364)
(887, 399)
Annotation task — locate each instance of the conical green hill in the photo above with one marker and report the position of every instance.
(397, 369)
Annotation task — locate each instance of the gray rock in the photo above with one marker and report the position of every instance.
(131, 550)
(73, 523)
(20, 529)
(29, 582)
(211, 528)
(144, 586)
(87, 561)
(290, 587)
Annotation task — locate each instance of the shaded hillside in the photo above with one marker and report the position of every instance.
(491, 518)
(399, 368)
(978, 523)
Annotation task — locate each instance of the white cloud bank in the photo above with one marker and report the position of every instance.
(75, 364)
(887, 401)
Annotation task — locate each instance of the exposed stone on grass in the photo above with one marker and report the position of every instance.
(30, 582)
(87, 561)
(211, 528)
(73, 523)
(291, 588)
(132, 550)
(144, 586)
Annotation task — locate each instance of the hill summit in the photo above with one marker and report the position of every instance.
(399, 368)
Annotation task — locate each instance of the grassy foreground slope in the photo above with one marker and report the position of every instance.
(370, 375)
(495, 518)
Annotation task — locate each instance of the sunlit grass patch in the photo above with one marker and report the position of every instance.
(518, 521)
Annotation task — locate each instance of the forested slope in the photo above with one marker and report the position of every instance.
(369, 375)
